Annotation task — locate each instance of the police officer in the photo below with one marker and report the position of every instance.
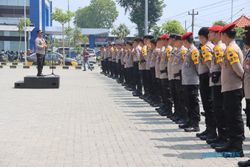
(40, 52)
(205, 89)
(190, 82)
(215, 74)
(173, 91)
(159, 48)
(246, 66)
(136, 71)
(231, 79)
(178, 58)
(166, 49)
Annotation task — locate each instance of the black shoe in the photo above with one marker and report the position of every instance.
(231, 150)
(208, 136)
(244, 163)
(202, 133)
(181, 121)
(192, 129)
(214, 140)
(217, 144)
(183, 126)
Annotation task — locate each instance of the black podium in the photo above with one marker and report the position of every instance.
(39, 82)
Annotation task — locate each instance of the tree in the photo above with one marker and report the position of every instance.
(173, 26)
(121, 31)
(20, 27)
(62, 18)
(137, 12)
(157, 31)
(99, 14)
(220, 23)
(239, 32)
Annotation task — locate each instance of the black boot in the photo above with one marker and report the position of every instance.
(244, 163)
(194, 128)
(202, 133)
(231, 149)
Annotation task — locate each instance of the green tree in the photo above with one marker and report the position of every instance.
(121, 31)
(99, 14)
(173, 26)
(137, 12)
(62, 17)
(220, 23)
(157, 31)
(239, 32)
(20, 27)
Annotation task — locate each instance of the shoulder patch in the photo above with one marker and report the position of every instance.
(206, 54)
(232, 55)
(219, 54)
(195, 56)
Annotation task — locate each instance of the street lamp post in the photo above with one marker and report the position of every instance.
(146, 17)
(25, 33)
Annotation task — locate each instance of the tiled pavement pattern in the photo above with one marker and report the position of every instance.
(91, 121)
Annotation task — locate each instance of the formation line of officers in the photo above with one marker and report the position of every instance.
(170, 73)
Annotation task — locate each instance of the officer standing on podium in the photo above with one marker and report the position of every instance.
(41, 46)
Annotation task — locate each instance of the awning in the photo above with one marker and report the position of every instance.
(13, 28)
(85, 31)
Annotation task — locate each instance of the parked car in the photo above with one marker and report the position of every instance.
(69, 52)
(56, 57)
(3, 57)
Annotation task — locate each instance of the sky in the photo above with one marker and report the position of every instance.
(208, 11)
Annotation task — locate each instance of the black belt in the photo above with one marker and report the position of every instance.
(163, 71)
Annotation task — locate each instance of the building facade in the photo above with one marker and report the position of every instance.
(11, 11)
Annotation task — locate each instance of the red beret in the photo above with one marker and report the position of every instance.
(186, 35)
(215, 28)
(164, 37)
(228, 27)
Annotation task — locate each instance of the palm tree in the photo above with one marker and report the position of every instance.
(20, 27)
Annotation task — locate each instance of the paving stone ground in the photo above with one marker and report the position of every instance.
(91, 121)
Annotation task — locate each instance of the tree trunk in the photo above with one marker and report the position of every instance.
(63, 44)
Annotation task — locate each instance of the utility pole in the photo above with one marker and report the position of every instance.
(146, 17)
(193, 14)
(25, 32)
(186, 25)
(232, 10)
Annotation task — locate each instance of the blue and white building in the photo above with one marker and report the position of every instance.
(39, 12)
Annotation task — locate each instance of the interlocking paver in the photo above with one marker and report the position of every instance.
(91, 121)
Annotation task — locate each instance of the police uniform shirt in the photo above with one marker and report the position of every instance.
(163, 65)
(153, 59)
(170, 62)
(40, 42)
(129, 61)
(178, 61)
(232, 70)
(157, 62)
(134, 54)
(118, 55)
(247, 75)
(206, 59)
(142, 53)
(218, 55)
(190, 67)
(203, 66)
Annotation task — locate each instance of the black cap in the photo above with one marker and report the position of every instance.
(148, 37)
(172, 36)
(204, 31)
(39, 31)
(177, 37)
